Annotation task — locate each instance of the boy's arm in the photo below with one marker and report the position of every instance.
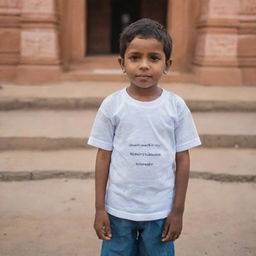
(101, 223)
(173, 224)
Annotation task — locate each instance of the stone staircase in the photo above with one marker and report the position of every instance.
(49, 210)
(45, 136)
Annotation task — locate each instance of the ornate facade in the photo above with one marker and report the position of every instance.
(50, 40)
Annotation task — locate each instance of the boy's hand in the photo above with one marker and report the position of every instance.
(172, 227)
(102, 225)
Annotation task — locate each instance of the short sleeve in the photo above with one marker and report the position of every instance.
(102, 132)
(186, 135)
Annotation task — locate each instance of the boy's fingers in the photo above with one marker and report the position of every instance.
(167, 238)
(105, 232)
(165, 232)
(108, 231)
(173, 235)
(98, 232)
(176, 236)
(102, 235)
(170, 235)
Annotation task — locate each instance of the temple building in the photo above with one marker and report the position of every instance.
(55, 40)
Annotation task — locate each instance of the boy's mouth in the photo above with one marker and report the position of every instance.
(143, 76)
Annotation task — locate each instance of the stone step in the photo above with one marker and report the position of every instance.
(215, 164)
(91, 102)
(61, 129)
(86, 95)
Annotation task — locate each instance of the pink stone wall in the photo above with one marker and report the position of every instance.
(223, 8)
(247, 40)
(248, 6)
(38, 6)
(39, 43)
(221, 45)
(39, 40)
(9, 32)
(200, 45)
(217, 43)
(212, 9)
(9, 6)
(9, 40)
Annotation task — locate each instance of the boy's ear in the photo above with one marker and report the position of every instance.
(167, 65)
(121, 62)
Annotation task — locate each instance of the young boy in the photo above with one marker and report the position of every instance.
(143, 134)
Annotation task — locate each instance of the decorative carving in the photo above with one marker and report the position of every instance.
(221, 45)
(39, 43)
(38, 6)
(223, 8)
(9, 3)
(248, 6)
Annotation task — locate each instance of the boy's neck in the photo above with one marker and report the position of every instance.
(144, 94)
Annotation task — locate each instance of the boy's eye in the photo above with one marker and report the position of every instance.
(133, 57)
(154, 58)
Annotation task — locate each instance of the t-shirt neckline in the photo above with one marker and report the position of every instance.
(144, 103)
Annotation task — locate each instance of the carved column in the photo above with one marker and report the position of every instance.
(247, 41)
(39, 57)
(181, 24)
(9, 38)
(216, 58)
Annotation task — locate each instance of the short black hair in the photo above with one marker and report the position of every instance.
(146, 28)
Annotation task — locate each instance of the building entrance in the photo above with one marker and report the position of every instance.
(107, 18)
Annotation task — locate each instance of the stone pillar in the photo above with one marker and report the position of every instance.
(9, 38)
(176, 12)
(39, 55)
(216, 59)
(247, 41)
(181, 24)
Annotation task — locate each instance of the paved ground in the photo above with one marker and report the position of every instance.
(54, 217)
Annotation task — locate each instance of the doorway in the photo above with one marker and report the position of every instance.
(107, 18)
(123, 13)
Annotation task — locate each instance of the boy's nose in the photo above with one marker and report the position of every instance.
(144, 64)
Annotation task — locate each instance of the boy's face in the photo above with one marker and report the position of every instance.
(144, 62)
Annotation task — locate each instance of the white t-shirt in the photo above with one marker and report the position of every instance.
(144, 138)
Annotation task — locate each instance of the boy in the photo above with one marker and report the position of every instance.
(143, 134)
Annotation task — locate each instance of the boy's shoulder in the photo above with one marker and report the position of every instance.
(113, 96)
(112, 101)
(175, 98)
(177, 103)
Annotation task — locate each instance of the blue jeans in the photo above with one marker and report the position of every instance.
(136, 238)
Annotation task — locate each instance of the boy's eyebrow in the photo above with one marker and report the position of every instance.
(134, 52)
(150, 53)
